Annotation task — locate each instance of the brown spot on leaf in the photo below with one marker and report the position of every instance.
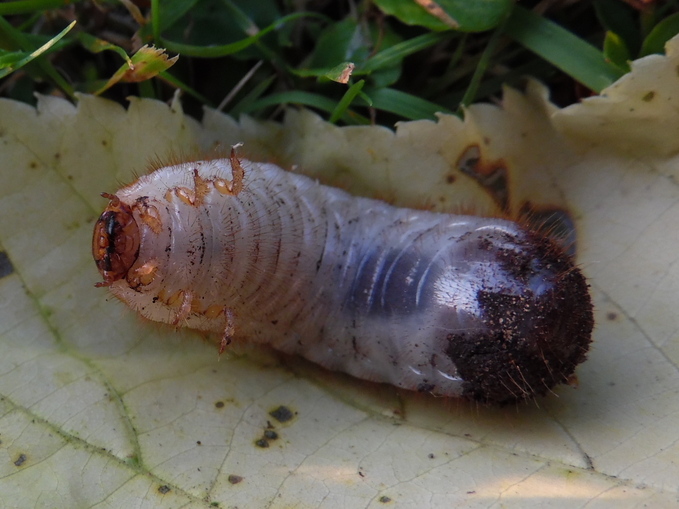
(491, 175)
(282, 414)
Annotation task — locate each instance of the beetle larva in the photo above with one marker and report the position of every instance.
(446, 304)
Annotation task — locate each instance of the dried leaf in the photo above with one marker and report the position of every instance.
(99, 407)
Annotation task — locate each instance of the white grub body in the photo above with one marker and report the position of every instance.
(431, 302)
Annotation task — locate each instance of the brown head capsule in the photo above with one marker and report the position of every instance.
(115, 245)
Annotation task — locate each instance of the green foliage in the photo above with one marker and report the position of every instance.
(463, 15)
(661, 33)
(369, 61)
(584, 62)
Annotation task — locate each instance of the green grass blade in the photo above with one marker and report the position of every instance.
(344, 103)
(29, 6)
(481, 67)
(661, 33)
(36, 53)
(97, 45)
(620, 18)
(579, 59)
(403, 104)
(397, 52)
(228, 49)
(616, 51)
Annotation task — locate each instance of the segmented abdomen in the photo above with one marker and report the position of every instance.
(452, 305)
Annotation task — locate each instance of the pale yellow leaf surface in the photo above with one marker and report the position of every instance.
(101, 409)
